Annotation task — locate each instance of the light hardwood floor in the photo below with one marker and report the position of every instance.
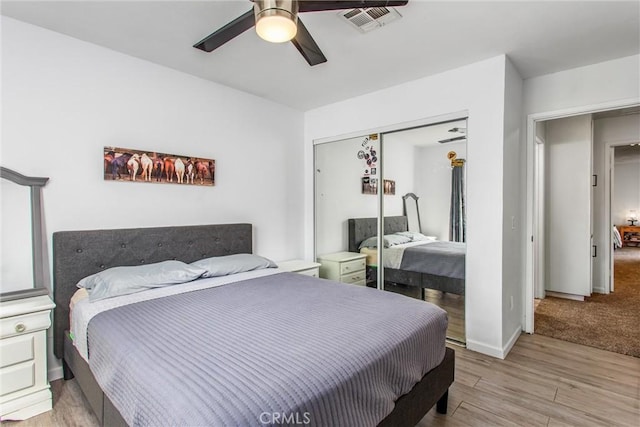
(542, 382)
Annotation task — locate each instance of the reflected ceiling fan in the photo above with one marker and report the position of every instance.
(277, 21)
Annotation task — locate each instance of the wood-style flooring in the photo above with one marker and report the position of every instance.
(542, 382)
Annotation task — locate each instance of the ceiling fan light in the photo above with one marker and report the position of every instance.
(276, 28)
(276, 20)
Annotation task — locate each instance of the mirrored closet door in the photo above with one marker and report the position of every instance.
(413, 180)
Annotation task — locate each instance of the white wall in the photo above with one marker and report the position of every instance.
(626, 195)
(433, 186)
(478, 89)
(608, 131)
(590, 85)
(513, 236)
(63, 100)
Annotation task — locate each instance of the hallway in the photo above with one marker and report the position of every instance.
(609, 322)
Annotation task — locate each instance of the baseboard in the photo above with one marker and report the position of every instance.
(599, 291)
(565, 296)
(497, 352)
(512, 341)
(54, 373)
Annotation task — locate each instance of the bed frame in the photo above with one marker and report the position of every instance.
(77, 254)
(363, 228)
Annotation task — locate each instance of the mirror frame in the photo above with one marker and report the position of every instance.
(37, 255)
(404, 208)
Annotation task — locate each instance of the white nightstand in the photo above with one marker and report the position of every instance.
(347, 267)
(24, 387)
(299, 266)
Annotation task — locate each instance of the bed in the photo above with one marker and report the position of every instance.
(361, 229)
(78, 254)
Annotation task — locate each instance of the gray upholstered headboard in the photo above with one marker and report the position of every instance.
(363, 228)
(77, 254)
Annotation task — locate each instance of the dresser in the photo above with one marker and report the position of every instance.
(307, 268)
(347, 267)
(630, 235)
(24, 387)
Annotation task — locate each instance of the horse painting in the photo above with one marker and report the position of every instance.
(152, 166)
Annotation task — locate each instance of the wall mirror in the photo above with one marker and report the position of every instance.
(21, 252)
(411, 211)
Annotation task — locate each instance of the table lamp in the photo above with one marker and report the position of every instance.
(633, 217)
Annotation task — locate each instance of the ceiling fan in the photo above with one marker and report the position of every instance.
(277, 21)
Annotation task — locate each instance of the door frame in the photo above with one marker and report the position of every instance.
(533, 247)
(609, 185)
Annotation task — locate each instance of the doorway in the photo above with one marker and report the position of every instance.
(612, 130)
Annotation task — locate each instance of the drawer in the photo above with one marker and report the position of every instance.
(16, 349)
(358, 276)
(313, 272)
(17, 377)
(24, 324)
(352, 266)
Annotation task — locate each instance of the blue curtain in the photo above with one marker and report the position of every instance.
(457, 222)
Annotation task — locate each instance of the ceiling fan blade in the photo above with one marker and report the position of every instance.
(307, 46)
(226, 33)
(320, 5)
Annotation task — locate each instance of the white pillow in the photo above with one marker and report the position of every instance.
(232, 264)
(127, 280)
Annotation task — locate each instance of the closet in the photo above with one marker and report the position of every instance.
(414, 180)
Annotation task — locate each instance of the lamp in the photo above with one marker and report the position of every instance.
(633, 217)
(276, 20)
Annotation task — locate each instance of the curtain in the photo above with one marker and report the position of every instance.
(457, 218)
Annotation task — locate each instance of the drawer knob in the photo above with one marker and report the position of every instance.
(21, 327)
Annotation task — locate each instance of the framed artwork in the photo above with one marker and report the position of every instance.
(389, 187)
(369, 185)
(127, 164)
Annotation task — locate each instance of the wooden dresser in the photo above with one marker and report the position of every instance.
(630, 235)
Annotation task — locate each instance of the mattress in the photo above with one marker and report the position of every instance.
(283, 343)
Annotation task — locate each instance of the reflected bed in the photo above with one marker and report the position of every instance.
(425, 270)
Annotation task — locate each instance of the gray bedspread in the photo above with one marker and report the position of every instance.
(438, 258)
(303, 348)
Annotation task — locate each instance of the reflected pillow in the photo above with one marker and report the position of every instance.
(127, 280)
(415, 236)
(232, 264)
(389, 240)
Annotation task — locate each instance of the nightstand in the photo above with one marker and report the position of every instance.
(347, 267)
(303, 267)
(24, 387)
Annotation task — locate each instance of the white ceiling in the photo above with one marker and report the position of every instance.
(426, 135)
(540, 37)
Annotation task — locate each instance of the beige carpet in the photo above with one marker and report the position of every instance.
(610, 322)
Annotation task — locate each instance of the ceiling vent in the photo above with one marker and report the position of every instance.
(370, 18)
(454, 139)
